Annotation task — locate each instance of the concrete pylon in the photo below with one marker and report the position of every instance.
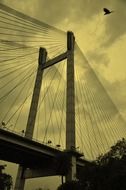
(20, 180)
(70, 108)
(36, 94)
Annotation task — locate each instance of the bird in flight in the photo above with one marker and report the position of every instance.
(106, 11)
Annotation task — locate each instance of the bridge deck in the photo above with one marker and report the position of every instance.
(31, 154)
(21, 150)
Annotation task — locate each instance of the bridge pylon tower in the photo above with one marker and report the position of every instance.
(20, 180)
(70, 108)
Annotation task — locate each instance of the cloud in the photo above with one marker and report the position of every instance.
(98, 58)
(75, 12)
(118, 94)
(56, 11)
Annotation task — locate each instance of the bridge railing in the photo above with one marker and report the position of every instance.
(41, 142)
(33, 139)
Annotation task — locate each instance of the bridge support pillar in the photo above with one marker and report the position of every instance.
(20, 180)
(70, 107)
(71, 176)
(36, 94)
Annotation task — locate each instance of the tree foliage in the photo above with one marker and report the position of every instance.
(5, 181)
(107, 172)
(73, 185)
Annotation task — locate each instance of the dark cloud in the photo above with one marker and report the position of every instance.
(57, 11)
(74, 12)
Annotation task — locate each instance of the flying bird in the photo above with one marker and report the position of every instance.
(106, 11)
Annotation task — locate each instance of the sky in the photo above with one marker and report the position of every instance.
(101, 38)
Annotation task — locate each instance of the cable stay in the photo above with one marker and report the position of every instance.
(98, 122)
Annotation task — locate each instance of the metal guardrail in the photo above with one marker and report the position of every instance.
(33, 139)
(36, 140)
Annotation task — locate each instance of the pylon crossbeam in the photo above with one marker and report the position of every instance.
(55, 60)
(70, 105)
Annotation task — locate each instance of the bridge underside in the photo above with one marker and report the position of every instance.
(24, 156)
(40, 160)
(21, 150)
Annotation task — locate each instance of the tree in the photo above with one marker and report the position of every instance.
(116, 152)
(108, 171)
(73, 185)
(5, 180)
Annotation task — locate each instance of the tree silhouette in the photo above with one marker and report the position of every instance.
(73, 185)
(108, 172)
(5, 181)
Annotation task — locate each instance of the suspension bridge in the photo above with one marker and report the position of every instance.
(51, 101)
